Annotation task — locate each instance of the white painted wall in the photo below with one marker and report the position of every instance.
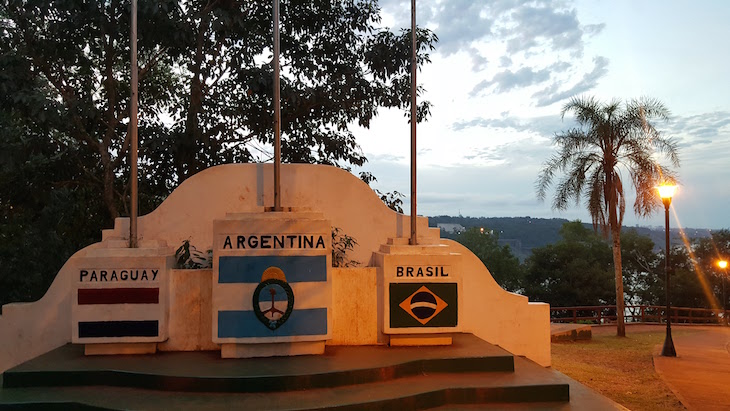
(30, 329)
(500, 317)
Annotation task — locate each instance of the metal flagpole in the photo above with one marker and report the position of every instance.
(277, 113)
(133, 132)
(414, 240)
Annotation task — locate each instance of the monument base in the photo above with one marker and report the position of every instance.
(120, 348)
(419, 340)
(272, 349)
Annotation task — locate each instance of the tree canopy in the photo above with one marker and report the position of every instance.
(499, 260)
(575, 271)
(206, 81)
(205, 98)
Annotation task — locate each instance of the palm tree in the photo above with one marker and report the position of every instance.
(612, 142)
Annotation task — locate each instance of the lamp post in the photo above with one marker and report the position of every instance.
(723, 265)
(666, 191)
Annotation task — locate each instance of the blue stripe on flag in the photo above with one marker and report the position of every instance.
(248, 269)
(244, 324)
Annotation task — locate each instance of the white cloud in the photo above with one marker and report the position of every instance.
(554, 94)
(507, 80)
(502, 69)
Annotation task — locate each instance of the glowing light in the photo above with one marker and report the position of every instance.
(722, 264)
(667, 190)
(699, 272)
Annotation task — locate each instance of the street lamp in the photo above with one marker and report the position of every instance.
(723, 265)
(666, 191)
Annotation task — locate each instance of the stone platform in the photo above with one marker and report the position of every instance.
(569, 332)
(468, 373)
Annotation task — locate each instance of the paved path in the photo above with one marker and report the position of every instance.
(700, 374)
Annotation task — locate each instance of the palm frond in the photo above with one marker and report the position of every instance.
(611, 137)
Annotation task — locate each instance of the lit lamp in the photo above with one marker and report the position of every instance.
(666, 191)
(723, 265)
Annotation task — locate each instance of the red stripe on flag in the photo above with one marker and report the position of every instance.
(89, 296)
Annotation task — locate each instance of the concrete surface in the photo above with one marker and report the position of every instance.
(344, 378)
(569, 332)
(700, 374)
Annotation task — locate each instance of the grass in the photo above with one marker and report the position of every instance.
(622, 369)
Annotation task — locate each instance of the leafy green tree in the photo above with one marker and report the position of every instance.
(640, 265)
(205, 99)
(575, 271)
(687, 283)
(707, 252)
(206, 80)
(77, 54)
(47, 212)
(696, 279)
(339, 67)
(499, 260)
(612, 141)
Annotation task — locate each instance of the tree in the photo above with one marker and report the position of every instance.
(640, 266)
(501, 263)
(338, 69)
(706, 254)
(575, 271)
(47, 211)
(77, 54)
(205, 99)
(206, 83)
(612, 141)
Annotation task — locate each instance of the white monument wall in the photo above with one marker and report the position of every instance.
(499, 317)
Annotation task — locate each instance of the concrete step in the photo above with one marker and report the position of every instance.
(469, 372)
(206, 371)
(408, 393)
(529, 387)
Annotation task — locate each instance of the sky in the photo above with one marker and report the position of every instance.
(503, 70)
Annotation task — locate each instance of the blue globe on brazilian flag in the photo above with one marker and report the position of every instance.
(423, 305)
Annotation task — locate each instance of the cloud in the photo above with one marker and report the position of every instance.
(507, 80)
(553, 94)
(536, 25)
(522, 25)
(479, 62)
(545, 126)
(702, 126)
(385, 158)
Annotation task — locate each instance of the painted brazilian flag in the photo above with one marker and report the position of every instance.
(423, 305)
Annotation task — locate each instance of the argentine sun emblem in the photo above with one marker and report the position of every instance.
(273, 299)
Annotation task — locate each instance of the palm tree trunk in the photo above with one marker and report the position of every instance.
(615, 227)
(616, 236)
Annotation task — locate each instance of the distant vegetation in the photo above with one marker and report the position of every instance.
(529, 232)
(568, 264)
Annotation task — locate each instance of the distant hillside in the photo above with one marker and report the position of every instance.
(523, 234)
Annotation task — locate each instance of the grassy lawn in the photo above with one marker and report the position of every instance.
(622, 369)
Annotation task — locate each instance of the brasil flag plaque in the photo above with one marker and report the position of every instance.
(423, 305)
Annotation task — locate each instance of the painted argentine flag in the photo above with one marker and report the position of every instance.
(271, 296)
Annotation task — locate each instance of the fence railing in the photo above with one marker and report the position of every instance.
(606, 314)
